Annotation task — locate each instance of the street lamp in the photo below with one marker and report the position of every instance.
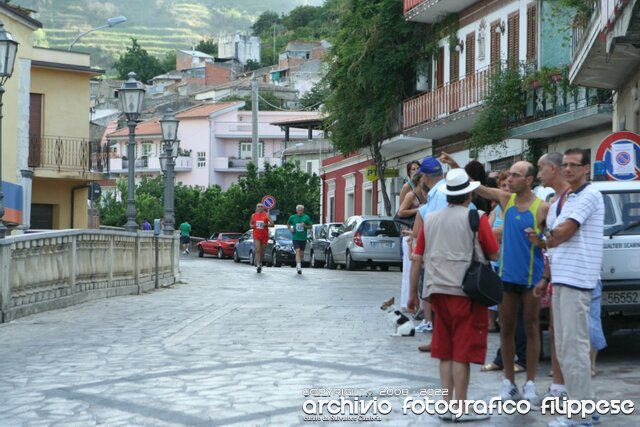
(171, 144)
(110, 23)
(8, 50)
(298, 145)
(131, 96)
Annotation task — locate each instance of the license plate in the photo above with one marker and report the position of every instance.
(620, 297)
(381, 244)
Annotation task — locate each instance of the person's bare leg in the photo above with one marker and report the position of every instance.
(555, 366)
(531, 314)
(508, 314)
(426, 306)
(594, 354)
(460, 372)
(446, 378)
(259, 252)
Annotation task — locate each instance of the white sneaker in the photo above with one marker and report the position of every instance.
(509, 391)
(529, 392)
(424, 327)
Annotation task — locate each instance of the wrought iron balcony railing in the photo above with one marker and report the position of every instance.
(66, 154)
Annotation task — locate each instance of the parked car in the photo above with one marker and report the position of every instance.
(219, 244)
(319, 239)
(244, 249)
(279, 249)
(366, 240)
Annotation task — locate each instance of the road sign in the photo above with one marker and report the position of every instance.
(620, 152)
(391, 172)
(269, 202)
(95, 191)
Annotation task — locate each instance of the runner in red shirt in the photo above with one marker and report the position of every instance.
(260, 223)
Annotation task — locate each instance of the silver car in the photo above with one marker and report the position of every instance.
(366, 240)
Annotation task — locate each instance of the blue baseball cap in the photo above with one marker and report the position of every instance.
(431, 166)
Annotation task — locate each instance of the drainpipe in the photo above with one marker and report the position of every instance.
(73, 198)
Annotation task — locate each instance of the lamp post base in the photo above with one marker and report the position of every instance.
(131, 226)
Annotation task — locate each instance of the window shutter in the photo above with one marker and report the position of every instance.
(532, 32)
(454, 66)
(495, 44)
(470, 52)
(440, 68)
(513, 46)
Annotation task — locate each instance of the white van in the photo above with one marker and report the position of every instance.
(621, 260)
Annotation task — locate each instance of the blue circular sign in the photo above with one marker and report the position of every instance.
(269, 202)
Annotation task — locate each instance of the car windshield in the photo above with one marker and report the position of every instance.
(621, 213)
(230, 236)
(373, 228)
(283, 234)
(335, 227)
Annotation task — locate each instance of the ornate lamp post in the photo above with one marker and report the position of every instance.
(169, 125)
(131, 95)
(8, 50)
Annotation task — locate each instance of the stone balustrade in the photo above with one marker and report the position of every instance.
(56, 269)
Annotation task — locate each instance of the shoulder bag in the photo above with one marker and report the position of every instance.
(481, 283)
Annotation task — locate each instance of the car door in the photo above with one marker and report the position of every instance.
(268, 249)
(340, 243)
(212, 244)
(244, 245)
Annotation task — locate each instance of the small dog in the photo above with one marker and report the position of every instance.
(402, 324)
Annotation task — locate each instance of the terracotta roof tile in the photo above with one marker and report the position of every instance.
(149, 127)
(204, 110)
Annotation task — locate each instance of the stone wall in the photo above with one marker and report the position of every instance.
(50, 270)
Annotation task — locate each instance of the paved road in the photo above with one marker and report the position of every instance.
(229, 347)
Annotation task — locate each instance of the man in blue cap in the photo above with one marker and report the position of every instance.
(433, 178)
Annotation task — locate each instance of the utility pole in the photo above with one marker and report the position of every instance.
(254, 124)
(274, 42)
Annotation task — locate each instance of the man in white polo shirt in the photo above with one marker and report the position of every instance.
(576, 236)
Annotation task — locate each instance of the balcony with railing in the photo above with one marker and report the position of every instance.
(448, 109)
(561, 109)
(233, 165)
(432, 11)
(66, 157)
(147, 164)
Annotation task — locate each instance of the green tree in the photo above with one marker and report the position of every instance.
(208, 46)
(287, 183)
(315, 98)
(372, 69)
(169, 61)
(265, 22)
(139, 61)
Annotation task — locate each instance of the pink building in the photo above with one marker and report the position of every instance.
(215, 143)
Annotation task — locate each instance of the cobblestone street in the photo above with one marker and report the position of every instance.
(229, 347)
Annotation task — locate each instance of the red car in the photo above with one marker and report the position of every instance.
(219, 244)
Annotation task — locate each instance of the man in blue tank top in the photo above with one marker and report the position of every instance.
(521, 267)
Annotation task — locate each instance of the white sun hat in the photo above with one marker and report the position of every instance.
(458, 183)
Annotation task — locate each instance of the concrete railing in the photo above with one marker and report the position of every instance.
(55, 269)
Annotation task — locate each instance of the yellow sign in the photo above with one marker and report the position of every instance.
(371, 173)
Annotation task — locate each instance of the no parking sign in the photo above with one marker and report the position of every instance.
(269, 202)
(620, 153)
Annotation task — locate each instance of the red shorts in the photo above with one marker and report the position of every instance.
(264, 239)
(460, 329)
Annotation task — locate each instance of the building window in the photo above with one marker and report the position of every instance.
(202, 159)
(367, 201)
(245, 150)
(350, 205)
(147, 149)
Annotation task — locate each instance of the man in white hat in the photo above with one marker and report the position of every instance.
(460, 332)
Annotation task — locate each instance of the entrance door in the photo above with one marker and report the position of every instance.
(41, 216)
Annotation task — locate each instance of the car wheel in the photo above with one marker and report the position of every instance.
(252, 258)
(275, 260)
(200, 252)
(331, 265)
(220, 253)
(349, 263)
(384, 268)
(236, 257)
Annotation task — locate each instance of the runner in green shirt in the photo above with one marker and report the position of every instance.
(298, 225)
(185, 236)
